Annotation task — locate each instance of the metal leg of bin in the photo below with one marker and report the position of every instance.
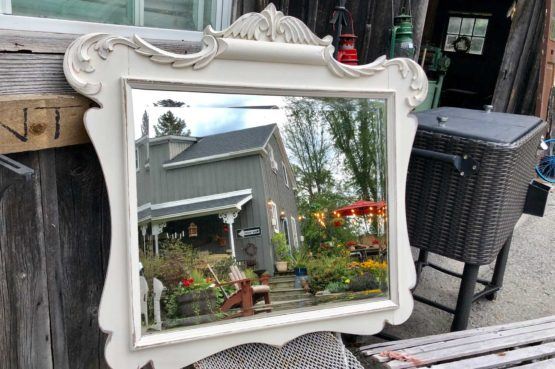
(420, 264)
(499, 271)
(466, 297)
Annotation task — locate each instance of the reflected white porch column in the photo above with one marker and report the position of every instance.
(229, 219)
(143, 232)
(156, 230)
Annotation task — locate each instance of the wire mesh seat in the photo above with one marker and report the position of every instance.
(320, 350)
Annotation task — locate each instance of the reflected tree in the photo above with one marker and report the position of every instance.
(358, 130)
(169, 103)
(310, 146)
(170, 125)
(144, 124)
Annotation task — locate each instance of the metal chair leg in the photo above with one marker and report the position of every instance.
(464, 300)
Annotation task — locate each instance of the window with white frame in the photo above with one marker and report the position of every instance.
(285, 176)
(192, 15)
(137, 161)
(467, 34)
(273, 161)
(294, 232)
(273, 216)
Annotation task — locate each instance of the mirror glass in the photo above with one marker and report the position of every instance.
(253, 205)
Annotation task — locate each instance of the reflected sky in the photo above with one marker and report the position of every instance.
(208, 113)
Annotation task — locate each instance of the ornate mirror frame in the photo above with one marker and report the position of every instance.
(261, 53)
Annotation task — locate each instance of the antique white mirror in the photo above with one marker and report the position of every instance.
(256, 188)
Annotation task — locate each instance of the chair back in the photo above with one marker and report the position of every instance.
(217, 280)
(236, 275)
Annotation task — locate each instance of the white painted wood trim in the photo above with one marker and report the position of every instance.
(5, 7)
(208, 159)
(24, 23)
(195, 200)
(261, 53)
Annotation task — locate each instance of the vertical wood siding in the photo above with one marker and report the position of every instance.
(54, 243)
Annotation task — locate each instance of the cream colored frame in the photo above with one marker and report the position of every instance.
(261, 53)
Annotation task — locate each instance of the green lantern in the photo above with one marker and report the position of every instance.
(402, 44)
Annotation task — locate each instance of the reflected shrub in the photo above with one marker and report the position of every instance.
(175, 261)
(324, 270)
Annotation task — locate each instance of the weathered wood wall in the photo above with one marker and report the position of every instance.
(54, 240)
(518, 82)
(372, 19)
(54, 229)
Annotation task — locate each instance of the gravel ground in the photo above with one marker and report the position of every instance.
(528, 292)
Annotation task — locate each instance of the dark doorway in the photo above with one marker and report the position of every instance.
(473, 33)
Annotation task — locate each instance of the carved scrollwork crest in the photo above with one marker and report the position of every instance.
(270, 25)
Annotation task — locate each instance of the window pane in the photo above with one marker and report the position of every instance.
(480, 27)
(467, 26)
(454, 25)
(477, 45)
(449, 40)
(179, 14)
(103, 11)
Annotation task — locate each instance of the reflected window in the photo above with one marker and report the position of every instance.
(191, 15)
(285, 176)
(294, 231)
(273, 213)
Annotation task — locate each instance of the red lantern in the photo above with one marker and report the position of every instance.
(347, 53)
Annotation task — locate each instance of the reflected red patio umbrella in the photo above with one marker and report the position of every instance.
(361, 207)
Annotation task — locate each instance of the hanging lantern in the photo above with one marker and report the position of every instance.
(402, 45)
(344, 42)
(193, 230)
(347, 53)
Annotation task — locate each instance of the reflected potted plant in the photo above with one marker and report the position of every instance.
(281, 251)
(299, 259)
(196, 296)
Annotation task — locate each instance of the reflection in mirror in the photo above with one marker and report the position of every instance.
(253, 205)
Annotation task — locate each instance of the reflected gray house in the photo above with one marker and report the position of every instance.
(224, 193)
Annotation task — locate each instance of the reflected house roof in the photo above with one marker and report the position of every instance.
(227, 143)
(196, 206)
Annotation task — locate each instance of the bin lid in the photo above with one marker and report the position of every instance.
(478, 124)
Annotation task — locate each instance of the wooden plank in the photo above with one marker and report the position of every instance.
(34, 122)
(57, 43)
(25, 325)
(518, 78)
(419, 9)
(502, 359)
(26, 73)
(84, 247)
(546, 364)
(476, 348)
(412, 342)
(312, 11)
(53, 260)
(419, 350)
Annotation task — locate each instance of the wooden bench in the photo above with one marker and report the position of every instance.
(524, 345)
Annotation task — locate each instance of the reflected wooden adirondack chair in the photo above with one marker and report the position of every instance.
(246, 295)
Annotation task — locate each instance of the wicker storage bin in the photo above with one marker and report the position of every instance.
(468, 217)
